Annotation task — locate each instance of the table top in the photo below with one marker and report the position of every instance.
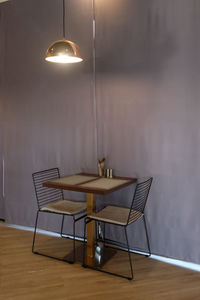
(90, 183)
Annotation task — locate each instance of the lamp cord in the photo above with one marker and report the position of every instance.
(63, 19)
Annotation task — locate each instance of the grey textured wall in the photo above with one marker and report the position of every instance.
(148, 55)
(48, 108)
(2, 34)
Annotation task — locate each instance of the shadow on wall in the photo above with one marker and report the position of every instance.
(133, 39)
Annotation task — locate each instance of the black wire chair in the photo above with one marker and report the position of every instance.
(121, 216)
(51, 200)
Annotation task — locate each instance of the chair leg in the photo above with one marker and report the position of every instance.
(86, 221)
(130, 278)
(36, 220)
(104, 233)
(147, 237)
(74, 246)
(99, 232)
(84, 243)
(61, 231)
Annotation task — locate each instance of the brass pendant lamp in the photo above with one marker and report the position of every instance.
(63, 51)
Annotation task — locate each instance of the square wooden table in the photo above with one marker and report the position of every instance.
(91, 184)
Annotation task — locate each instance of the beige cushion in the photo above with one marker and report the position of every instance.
(116, 215)
(66, 207)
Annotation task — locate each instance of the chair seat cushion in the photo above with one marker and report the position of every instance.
(116, 215)
(66, 207)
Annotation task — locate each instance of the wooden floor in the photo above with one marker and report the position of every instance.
(25, 276)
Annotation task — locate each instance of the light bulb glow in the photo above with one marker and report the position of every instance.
(62, 59)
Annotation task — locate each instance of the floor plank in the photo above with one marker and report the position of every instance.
(25, 276)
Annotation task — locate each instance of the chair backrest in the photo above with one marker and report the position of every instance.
(139, 199)
(46, 195)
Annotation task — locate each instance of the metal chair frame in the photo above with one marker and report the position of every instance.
(56, 195)
(137, 203)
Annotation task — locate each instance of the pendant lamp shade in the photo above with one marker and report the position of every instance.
(63, 51)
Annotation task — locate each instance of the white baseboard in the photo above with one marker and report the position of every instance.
(176, 262)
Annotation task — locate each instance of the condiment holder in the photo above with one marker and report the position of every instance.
(109, 173)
